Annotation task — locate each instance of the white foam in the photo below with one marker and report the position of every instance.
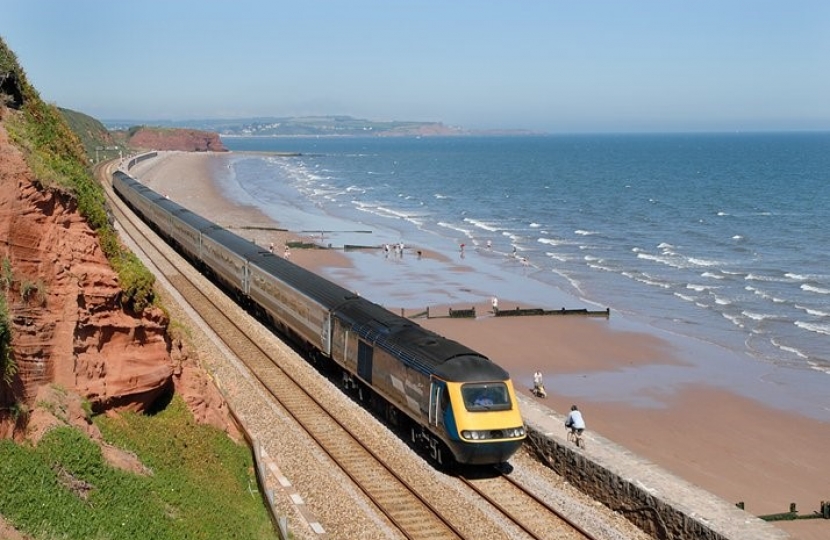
(810, 288)
(814, 327)
(757, 316)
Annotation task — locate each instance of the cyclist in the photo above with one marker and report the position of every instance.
(575, 422)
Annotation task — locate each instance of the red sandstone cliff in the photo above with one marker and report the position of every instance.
(69, 327)
(185, 140)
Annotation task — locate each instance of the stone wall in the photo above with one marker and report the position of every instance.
(661, 504)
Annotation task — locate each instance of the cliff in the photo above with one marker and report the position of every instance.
(64, 320)
(186, 140)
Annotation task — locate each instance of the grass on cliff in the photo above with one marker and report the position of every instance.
(56, 157)
(202, 484)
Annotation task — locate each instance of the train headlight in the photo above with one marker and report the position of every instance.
(487, 434)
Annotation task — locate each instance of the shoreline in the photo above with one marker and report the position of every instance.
(731, 445)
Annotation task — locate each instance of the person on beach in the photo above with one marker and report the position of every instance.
(575, 422)
(539, 385)
(287, 253)
(495, 302)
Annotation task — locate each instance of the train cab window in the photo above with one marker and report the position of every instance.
(486, 396)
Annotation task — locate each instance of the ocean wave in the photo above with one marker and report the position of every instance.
(734, 319)
(534, 225)
(812, 311)
(483, 225)
(702, 262)
(765, 295)
(723, 301)
(560, 257)
(556, 242)
(786, 348)
(758, 277)
(813, 289)
(581, 232)
(757, 316)
(712, 275)
(440, 196)
(466, 232)
(805, 277)
(686, 297)
(700, 288)
(668, 261)
(814, 327)
(819, 367)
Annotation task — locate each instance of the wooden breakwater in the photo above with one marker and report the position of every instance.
(470, 313)
(521, 312)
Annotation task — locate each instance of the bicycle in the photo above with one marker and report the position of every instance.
(575, 436)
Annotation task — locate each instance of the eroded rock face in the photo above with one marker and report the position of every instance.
(185, 140)
(69, 327)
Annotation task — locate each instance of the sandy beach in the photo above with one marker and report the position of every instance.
(730, 445)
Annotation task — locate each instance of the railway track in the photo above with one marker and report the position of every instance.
(402, 504)
(529, 512)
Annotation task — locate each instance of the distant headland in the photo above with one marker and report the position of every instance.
(314, 126)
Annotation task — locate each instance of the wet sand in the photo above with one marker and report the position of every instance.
(735, 447)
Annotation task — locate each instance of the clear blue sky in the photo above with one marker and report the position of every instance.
(549, 65)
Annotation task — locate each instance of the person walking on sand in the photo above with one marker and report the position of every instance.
(287, 253)
(495, 303)
(539, 385)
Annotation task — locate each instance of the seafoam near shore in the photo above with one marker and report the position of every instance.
(730, 444)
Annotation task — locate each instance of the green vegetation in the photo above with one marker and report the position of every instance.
(57, 158)
(94, 136)
(201, 485)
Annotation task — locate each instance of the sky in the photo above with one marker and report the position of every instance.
(575, 66)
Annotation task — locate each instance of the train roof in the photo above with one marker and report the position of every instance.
(194, 220)
(326, 293)
(421, 349)
(239, 245)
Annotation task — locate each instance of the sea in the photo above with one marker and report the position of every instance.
(719, 243)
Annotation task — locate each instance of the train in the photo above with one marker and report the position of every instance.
(457, 404)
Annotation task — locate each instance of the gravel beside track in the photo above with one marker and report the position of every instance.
(319, 491)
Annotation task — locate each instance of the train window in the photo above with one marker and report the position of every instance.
(486, 396)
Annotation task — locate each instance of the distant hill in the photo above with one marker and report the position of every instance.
(311, 126)
(97, 140)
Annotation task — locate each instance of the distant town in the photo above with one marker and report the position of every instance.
(310, 126)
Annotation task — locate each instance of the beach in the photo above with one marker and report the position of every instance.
(728, 444)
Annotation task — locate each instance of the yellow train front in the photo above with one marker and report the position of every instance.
(476, 410)
(456, 399)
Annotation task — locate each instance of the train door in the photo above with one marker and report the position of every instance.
(325, 335)
(437, 394)
(365, 354)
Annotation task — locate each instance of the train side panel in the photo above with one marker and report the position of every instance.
(226, 264)
(186, 230)
(283, 303)
(401, 385)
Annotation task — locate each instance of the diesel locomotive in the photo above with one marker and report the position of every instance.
(456, 403)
